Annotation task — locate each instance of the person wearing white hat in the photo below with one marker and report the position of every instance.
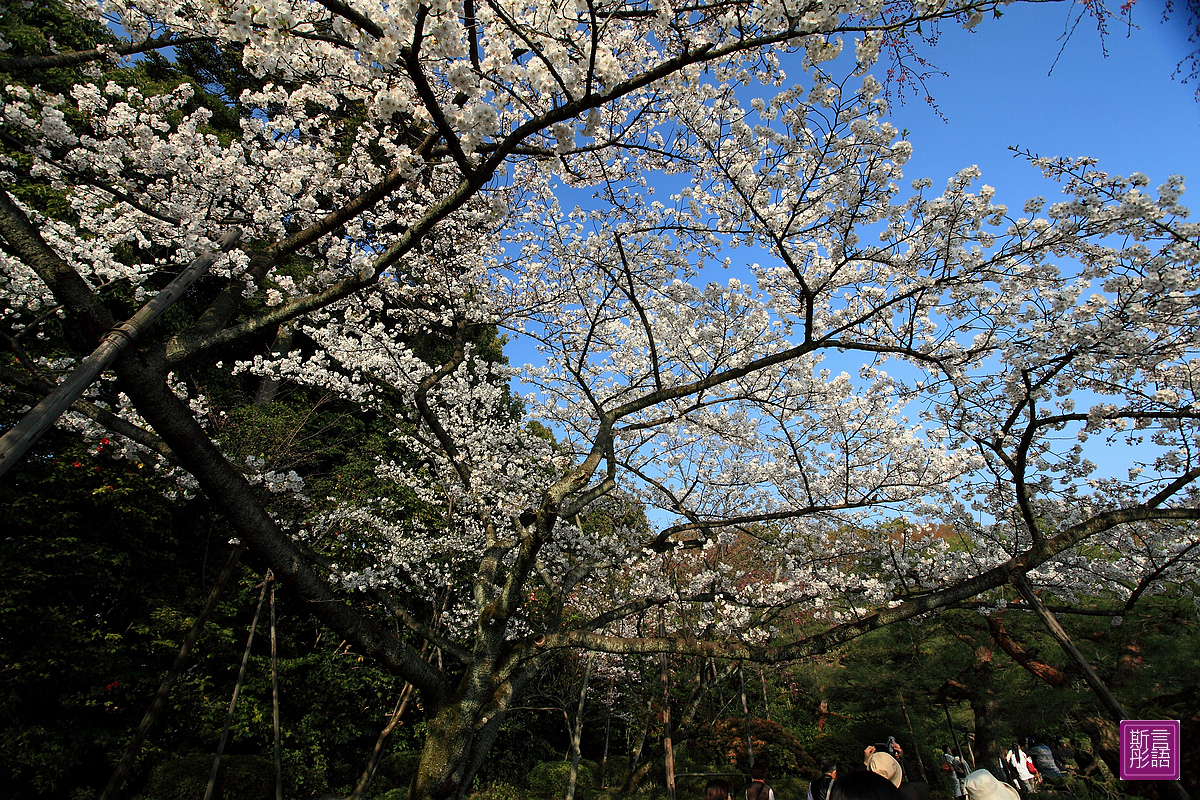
(983, 785)
(883, 764)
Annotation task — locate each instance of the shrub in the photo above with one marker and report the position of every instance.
(500, 790)
(615, 769)
(396, 771)
(186, 778)
(549, 779)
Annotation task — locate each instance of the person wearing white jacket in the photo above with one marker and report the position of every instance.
(1020, 762)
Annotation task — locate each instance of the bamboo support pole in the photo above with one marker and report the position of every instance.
(20, 437)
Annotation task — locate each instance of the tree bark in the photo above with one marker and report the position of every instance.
(577, 730)
(668, 750)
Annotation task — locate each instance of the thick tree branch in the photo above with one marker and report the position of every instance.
(59, 60)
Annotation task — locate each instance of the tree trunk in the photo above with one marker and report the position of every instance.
(636, 756)
(446, 754)
(462, 731)
(986, 708)
(268, 387)
(577, 730)
(668, 750)
(746, 716)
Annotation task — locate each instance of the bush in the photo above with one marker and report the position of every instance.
(774, 746)
(186, 778)
(500, 790)
(396, 771)
(615, 769)
(842, 748)
(549, 779)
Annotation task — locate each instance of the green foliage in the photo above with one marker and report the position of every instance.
(241, 777)
(614, 770)
(774, 746)
(396, 771)
(500, 790)
(549, 780)
(840, 747)
(89, 557)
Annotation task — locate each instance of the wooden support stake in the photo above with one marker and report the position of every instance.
(237, 690)
(577, 731)
(669, 751)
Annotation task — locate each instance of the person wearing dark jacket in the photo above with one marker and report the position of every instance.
(758, 789)
(821, 787)
(864, 785)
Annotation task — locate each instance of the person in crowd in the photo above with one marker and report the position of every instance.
(1020, 762)
(983, 785)
(889, 766)
(1043, 760)
(1064, 753)
(717, 789)
(822, 786)
(864, 785)
(758, 788)
(954, 769)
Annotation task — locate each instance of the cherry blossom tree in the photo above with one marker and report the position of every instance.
(408, 171)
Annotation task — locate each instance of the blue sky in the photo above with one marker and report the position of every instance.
(1113, 99)
(1124, 109)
